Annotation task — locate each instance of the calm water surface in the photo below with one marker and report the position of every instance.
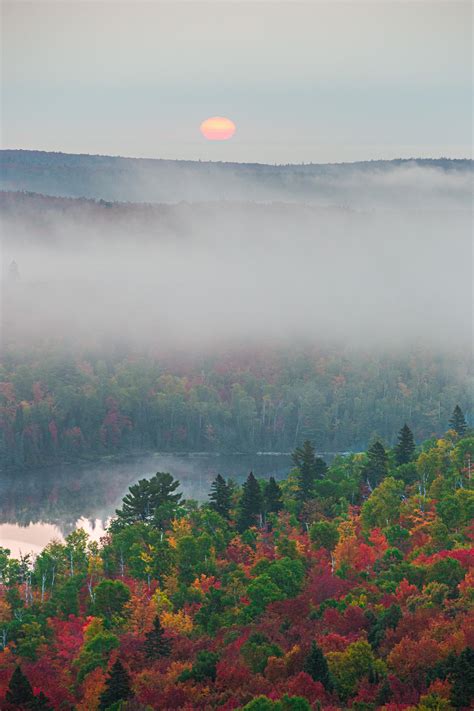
(45, 504)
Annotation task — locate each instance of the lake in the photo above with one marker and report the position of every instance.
(40, 505)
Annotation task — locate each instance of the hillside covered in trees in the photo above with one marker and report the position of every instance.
(342, 587)
(385, 182)
(56, 406)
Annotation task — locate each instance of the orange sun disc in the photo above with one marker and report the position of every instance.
(217, 128)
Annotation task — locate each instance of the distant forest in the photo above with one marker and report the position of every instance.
(58, 407)
(153, 180)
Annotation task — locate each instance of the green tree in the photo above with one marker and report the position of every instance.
(382, 508)
(151, 501)
(261, 592)
(324, 534)
(458, 421)
(272, 496)
(257, 650)
(304, 459)
(20, 692)
(462, 679)
(405, 448)
(446, 570)
(117, 686)
(156, 644)
(203, 668)
(220, 496)
(251, 504)
(110, 597)
(316, 666)
(376, 468)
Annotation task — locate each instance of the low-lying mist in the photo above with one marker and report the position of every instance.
(195, 275)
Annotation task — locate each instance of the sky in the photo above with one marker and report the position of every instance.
(303, 82)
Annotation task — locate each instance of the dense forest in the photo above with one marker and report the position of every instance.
(56, 406)
(341, 587)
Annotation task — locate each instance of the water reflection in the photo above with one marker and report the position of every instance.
(39, 506)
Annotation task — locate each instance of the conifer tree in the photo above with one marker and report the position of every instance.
(220, 496)
(273, 502)
(405, 448)
(20, 692)
(251, 504)
(305, 460)
(152, 501)
(41, 703)
(458, 421)
(316, 666)
(462, 680)
(376, 468)
(117, 687)
(156, 644)
(320, 468)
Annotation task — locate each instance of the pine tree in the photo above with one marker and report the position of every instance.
(156, 644)
(405, 448)
(458, 421)
(316, 666)
(20, 693)
(305, 460)
(251, 504)
(376, 468)
(117, 687)
(320, 468)
(220, 496)
(153, 501)
(41, 703)
(273, 502)
(462, 679)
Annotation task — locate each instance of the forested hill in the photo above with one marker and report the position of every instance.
(341, 587)
(413, 182)
(55, 407)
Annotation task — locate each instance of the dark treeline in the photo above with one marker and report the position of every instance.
(56, 407)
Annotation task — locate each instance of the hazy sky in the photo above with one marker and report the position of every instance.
(315, 81)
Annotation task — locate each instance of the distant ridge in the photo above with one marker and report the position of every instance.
(115, 178)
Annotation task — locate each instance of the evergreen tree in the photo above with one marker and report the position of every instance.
(316, 666)
(305, 460)
(273, 502)
(156, 644)
(405, 448)
(20, 693)
(117, 687)
(220, 496)
(458, 421)
(151, 501)
(462, 679)
(320, 468)
(41, 703)
(376, 468)
(251, 504)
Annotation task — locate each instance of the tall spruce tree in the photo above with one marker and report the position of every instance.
(304, 459)
(376, 468)
(117, 686)
(20, 692)
(458, 422)
(220, 496)
(251, 504)
(316, 666)
(273, 502)
(156, 644)
(405, 448)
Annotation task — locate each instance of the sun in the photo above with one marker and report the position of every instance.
(218, 128)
